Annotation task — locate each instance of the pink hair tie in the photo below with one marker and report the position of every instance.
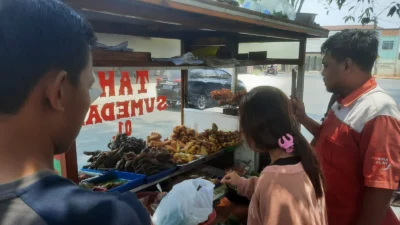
(287, 144)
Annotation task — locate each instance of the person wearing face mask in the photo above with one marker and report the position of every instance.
(358, 143)
(46, 87)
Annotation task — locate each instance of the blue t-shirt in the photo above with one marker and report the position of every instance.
(49, 199)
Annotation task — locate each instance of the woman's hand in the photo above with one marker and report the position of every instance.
(231, 179)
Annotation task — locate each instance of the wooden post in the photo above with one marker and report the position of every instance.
(184, 85)
(300, 73)
(294, 81)
(233, 45)
(234, 79)
(294, 93)
(301, 70)
(184, 82)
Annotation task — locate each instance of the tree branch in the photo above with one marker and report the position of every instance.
(300, 6)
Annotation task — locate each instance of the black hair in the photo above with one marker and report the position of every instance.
(37, 36)
(265, 116)
(361, 46)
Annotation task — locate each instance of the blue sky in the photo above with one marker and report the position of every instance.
(335, 16)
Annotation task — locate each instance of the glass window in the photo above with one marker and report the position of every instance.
(172, 74)
(196, 74)
(199, 90)
(210, 73)
(130, 103)
(223, 75)
(387, 45)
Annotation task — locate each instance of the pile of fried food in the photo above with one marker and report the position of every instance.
(185, 145)
(129, 144)
(185, 140)
(183, 158)
(118, 148)
(220, 138)
(131, 155)
(150, 161)
(105, 186)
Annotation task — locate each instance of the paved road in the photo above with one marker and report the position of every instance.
(316, 98)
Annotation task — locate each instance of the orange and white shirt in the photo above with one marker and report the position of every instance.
(358, 147)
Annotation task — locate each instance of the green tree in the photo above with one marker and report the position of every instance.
(297, 4)
(366, 7)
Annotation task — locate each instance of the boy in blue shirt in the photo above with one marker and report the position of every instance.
(45, 81)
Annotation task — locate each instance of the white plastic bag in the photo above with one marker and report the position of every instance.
(188, 203)
(255, 6)
(187, 58)
(286, 8)
(271, 7)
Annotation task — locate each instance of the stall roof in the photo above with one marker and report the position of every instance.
(183, 19)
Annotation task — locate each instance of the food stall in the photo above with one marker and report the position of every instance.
(205, 140)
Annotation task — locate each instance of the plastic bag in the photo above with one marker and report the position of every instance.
(255, 6)
(188, 203)
(216, 62)
(285, 8)
(187, 58)
(271, 7)
(123, 47)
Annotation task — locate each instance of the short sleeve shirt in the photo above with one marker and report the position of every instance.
(359, 146)
(48, 199)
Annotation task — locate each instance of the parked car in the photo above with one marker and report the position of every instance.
(169, 85)
(200, 83)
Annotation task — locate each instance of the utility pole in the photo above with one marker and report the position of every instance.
(397, 57)
(379, 37)
(377, 60)
(375, 17)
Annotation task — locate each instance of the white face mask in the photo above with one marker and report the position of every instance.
(96, 90)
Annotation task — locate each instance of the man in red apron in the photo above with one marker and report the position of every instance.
(358, 143)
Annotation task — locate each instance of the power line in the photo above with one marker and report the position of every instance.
(388, 21)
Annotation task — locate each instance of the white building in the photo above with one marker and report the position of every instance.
(388, 63)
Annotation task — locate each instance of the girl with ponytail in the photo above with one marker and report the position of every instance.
(290, 190)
